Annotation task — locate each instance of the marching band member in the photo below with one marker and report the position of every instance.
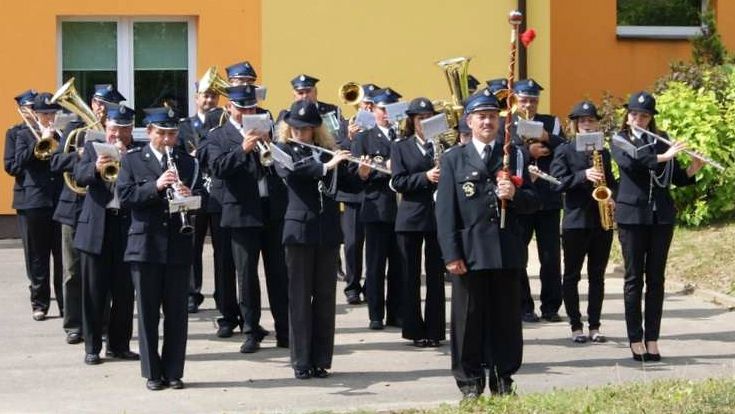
(483, 259)
(378, 213)
(645, 214)
(312, 245)
(191, 132)
(158, 253)
(243, 73)
(255, 223)
(25, 102)
(415, 176)
(101, 237)
(353, 230)
(41, 188)
(304, 88)
(544, 222)
(582, 231)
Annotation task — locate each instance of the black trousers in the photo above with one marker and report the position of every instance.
(225, 286)
(72, 281)
(432, 325)
(105, 276)
(23, 231)
(353, 231)
(545, 224)
(247, 244)
(381, 248)
(485, 327)
(312, 272)
(44, 240)
(645, 250)
(161, 287)
(595, 245)
(201, 224)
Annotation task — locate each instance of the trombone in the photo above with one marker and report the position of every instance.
(45, 147)
(692, 154)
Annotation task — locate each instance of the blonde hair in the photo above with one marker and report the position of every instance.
(322, 137)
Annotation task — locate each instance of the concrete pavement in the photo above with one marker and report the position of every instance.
(374, 370)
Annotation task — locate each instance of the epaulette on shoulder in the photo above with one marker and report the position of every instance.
(214, 128)
(134, 149)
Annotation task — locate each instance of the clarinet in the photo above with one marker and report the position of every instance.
(171, 193)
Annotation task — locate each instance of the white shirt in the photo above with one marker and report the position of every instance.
(158, 155)
(480, 146)
(384, 131)
(201, 117)
(420, 144)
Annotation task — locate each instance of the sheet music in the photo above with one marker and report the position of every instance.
(396, 111)
(591, 141)
(365, 119)
(281, 157)
(260, 92)
(530, 129)
(434, 126)
(259, 123)
(625, 145)
(95, 136)
(103, 148)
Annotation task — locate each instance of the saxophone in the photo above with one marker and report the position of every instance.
(602, 194)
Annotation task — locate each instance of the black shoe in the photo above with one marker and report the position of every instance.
(433, 343)
(260, 333)
(124, 355)
(193, 305)
(282, 343)
(250, 345)
(376, 325)
(419, 343)
(302, 374)
(551, 317)
(176, 384)
(320, 373)
(73, 338)
(155, 384)
(651, 357)
(354, 299)
(395, 322)
(530, 317)
(225, 331)
(92, 359)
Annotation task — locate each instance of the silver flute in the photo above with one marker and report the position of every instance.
(535, 171)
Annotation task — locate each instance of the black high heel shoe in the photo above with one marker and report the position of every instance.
(653, 357)
(638, 357)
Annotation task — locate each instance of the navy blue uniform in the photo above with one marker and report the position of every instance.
(378, 213)
(41, 189)
(545, 223)
(582, 233)
(256, 224)
(486, 320)
(11, 135)
(159, 257)
(416, 226)
(645, 214)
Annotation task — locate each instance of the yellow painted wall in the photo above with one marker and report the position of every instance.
(387, 42)
(28, 33)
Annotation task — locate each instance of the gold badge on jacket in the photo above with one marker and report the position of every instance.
(469, 189)
(378, 159)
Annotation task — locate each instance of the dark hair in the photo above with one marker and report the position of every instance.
(410, 129)
(651, 125)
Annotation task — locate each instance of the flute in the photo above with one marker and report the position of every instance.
(688, 152)
(372, 164)
(534, 170)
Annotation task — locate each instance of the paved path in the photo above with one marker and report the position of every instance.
(372, 370)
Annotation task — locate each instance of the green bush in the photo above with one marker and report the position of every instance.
(659, 12)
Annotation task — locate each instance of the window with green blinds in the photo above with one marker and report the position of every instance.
(89, 46)
(160, 45)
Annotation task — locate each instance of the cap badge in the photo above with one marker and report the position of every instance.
(530, 83)
(171, 113)
(122, 110)
(423, 104)
(585, 107)
(469, 189)
(486, 92)
(109, 88)
(302, 78)
(302, 112)
(641, 99)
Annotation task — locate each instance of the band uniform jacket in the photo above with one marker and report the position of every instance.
(214, 192)
(11, 136)
(312, 216)
(638, 195)
(468, 210)
(192, 129)
(548, 197)
(569, 165)
(154, 233)
(379, 201)
(344, 143)
(409, 166)
(90, 232)
(40, 186)
(70, 203)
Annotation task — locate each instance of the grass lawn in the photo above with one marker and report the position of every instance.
(667, 396)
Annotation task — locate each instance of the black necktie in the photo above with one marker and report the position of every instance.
(164, 162)
(487, 154)
(429, 148)
(391, 134)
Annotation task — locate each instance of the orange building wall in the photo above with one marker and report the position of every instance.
(587, 58)
(29, 40)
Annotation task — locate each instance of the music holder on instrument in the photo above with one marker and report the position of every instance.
(396, 111)
(529, 129)
(260, 92)
(184, 204)
(259, 123)
(282, 158)
(625, 145)
(590, 141)
(434, 127)
(365, 119)
(331, 122)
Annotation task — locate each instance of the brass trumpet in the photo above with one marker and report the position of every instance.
(351, 93)
(45, 147)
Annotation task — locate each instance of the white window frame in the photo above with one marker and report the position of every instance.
(661, 32)
(125, 64)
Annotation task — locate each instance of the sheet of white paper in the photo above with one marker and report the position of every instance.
(184, 204)
(259, 123)
(281, 157)
(396, 111)
(434, 126)
(625, 145)
(365, 119)
(591, 141)
(103, 148)
(94, 136)
(260, 92)
(530, 129)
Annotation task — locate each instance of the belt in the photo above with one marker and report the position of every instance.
(113, 211)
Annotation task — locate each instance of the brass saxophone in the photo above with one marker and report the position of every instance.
(602, 194)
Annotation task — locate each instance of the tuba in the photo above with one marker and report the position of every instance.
(457, 74)
(68, 98)
(211, 80)
(602, 194)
